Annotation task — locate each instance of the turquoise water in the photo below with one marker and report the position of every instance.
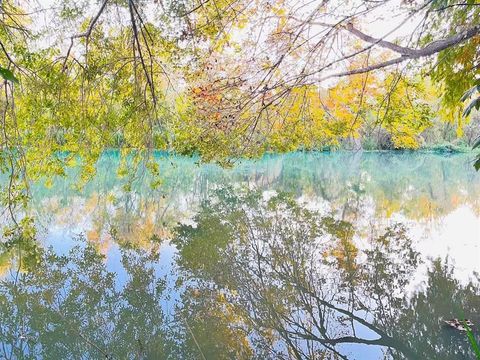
(305, 255)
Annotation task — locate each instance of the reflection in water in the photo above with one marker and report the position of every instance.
(302, 256)
(70, 307)
(307, 291)
(415, 185)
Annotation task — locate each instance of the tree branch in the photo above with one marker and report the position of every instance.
(85, 34)
(408, 54)
(383, 43)
(430, 49)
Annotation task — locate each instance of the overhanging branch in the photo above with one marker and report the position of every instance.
(407, 53)
(85, 34)
(380, 42)
(430, 49)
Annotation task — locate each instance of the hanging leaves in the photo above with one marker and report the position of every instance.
(6, 74)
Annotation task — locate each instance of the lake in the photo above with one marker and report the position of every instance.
(298, 256)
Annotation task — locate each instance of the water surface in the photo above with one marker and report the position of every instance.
(304, 255)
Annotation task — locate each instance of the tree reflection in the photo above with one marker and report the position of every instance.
(71, 307)
(254, 276)
(305, 289)
(375, 184)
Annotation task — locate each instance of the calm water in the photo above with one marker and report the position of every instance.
(302, 256)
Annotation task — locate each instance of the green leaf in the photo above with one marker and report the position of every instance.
(470, 92)
(474, 104)
(8, 75)
(471, 339)
(476, 143)
(476, 165)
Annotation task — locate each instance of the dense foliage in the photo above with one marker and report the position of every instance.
(227, 79)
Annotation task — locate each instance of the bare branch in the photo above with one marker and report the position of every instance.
(431, 49)
(85, 34)
(386, 44)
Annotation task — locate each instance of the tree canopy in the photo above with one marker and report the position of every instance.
(227, 79)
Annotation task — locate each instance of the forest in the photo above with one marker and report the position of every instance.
(254, 146)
